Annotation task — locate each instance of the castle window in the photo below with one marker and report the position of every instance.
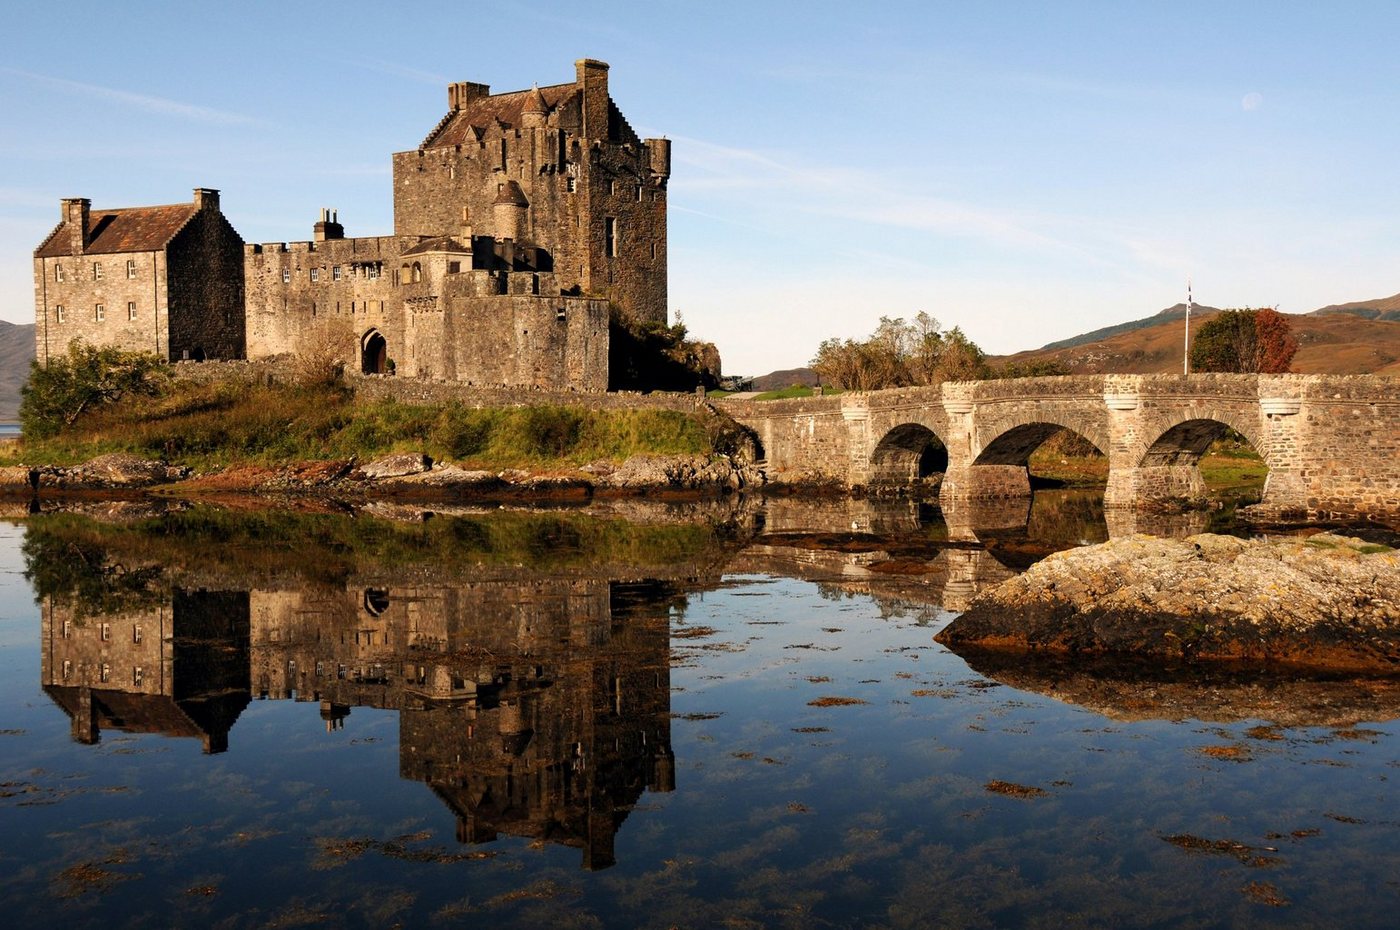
(454, 267)
(570, 184)
(612, 186)
(286, 276)
(67, 629)
(335, 273)
(372, 272)
(653, 251)
(610, 236)
(136, 633)
(97, 271)
(58, 271)
(99, 313)
(131, 267)
(417, 272)
(137, 676)
(106, 673)
(106, 632)
(315, 275)
(131, 310)
(639, 193)
(58, 313)
(67, 669)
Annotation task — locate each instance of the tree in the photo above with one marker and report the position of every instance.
(899, 354)
(1244, 341)
(59, 392)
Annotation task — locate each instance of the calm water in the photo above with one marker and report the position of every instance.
(689, 719)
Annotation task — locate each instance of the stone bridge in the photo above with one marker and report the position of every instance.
(1331, 442)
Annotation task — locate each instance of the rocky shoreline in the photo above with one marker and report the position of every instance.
(1322, 601)
(405, 476)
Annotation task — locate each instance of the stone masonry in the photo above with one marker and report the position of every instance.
(1331, 442)
(518, 222)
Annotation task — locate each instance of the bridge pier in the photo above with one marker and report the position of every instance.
(1144, 486)
(966, 483)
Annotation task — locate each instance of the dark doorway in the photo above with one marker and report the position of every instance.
(374, 359)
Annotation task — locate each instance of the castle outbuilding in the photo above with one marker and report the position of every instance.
(520, 221)
(165, 279)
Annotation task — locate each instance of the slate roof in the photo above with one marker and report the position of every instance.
(485, 112)
(131, 229)
(438, 244)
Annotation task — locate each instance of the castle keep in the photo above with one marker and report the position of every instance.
(517, 221)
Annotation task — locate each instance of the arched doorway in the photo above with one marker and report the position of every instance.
(374, 353)
(910, 452)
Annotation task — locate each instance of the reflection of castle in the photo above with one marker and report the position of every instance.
(179, 669)
(531, 708)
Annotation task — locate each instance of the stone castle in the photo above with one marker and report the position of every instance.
(518, 221)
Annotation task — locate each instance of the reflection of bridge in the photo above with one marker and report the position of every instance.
(1331, 443)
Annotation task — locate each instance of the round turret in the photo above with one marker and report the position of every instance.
(510, 211)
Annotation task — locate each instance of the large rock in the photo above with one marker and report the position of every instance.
(122, 470)
(1322, 601)
(396, 466)
(674, 472)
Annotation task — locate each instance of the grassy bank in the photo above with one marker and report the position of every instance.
(1229, 467)
(215, 425)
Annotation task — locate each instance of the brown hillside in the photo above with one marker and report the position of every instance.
(1328, 343)
(16, 351)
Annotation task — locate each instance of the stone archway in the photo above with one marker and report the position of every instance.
(374, 353)
(908, 453)
(1170, 467)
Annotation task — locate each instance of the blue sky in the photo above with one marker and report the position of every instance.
(1026, 171)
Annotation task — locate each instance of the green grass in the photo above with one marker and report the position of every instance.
(795, 390)
(216, 425)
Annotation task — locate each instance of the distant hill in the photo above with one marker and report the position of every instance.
(1176, 312)
(1343, 339)
(1385, 308)
(777, 380)
(16, 352)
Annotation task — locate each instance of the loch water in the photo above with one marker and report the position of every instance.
(698, 716)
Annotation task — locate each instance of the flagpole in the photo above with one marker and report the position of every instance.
(1186, 350)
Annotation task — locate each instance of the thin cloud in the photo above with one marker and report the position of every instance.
(162, 106)
(401, 71)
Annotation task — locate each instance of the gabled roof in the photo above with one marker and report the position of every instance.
(130, 229)
(488, 111)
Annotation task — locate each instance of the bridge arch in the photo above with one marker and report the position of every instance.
(1184, 441)
(906, 453)
(1015, 445)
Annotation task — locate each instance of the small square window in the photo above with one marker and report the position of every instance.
(106, 632)
(372, 272)
(571, 185)
(315, 275)
(131, 310)
(99, 313)
(58, 273)
(138, 675)
(131, 267)
(136, 633)
(335, 273)
(286, 276)
(97, 271)
(58, 313)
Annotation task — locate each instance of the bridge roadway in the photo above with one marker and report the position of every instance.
(1331, 442)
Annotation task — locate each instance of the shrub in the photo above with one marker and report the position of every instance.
(88, 377)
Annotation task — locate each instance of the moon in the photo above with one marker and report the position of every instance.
(1252, 101)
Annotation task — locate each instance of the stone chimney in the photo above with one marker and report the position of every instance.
(327, 227)
(206, 198)
(593, 78)
(461, 93)
(77, 213)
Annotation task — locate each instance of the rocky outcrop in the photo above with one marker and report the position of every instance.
(116, 470)
(1323, 601)
(395, 466)
(675, 472)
